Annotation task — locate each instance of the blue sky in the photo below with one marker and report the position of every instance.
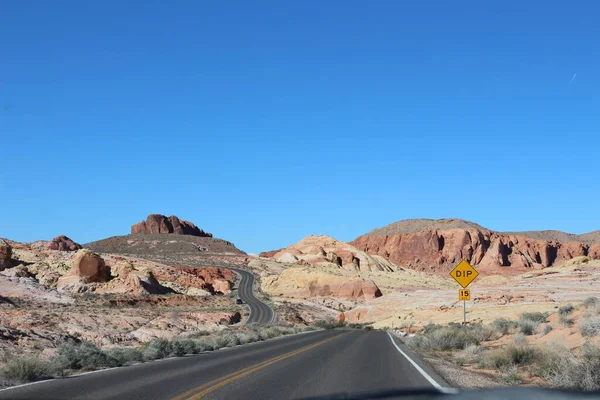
(266, 121)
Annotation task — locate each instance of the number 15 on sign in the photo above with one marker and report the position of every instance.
(464, 294)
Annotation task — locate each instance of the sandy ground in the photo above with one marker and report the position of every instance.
(492, 297)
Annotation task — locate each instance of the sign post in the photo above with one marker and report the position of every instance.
(464, 274)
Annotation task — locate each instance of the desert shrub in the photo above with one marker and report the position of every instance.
(565, 321)
(547, 329)
(460, 361)
(511, 376)
(418, 342)
(203, 345)
(485, 333)
(527, 326)
(591, 302)
(565, 311)
(269, 333)
(157, 349)
(181, 347)
(82, 355)
(228, 339)
(494, 359)
(247, 337)
(520, 354)
(592, 306)
(534, 316)
(26, 369)
(563, 315)
(328, 324)
(470, 350)
(503, 326)
(126, 355)
(567, 370)
(452, 338)
(590, 326)
(519, 338)
(427, 329)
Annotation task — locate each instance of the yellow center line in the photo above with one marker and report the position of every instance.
(224, 380)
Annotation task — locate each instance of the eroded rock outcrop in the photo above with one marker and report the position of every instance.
(157, 223)
(5, 255)
(195, 281)
(307, 283)
(439, 250)
(327, 251)
(63, 243)
(87, 268)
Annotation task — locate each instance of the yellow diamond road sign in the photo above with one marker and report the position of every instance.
(464, 273)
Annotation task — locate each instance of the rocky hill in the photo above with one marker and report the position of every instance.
(178, 249)
(158, 223)
(437, 245)
(171, 240)
(327, 251)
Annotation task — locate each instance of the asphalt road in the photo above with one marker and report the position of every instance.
(260, 313)
(313, 364)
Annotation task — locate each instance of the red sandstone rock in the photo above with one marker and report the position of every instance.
(63, 243)
(157, 223)
(5, 254)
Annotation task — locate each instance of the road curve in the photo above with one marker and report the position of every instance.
(260, 312)
(308, 365)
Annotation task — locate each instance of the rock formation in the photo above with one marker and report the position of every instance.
(195, 281)
(306, 283)
(441, 246)
(327, 251)
(87, 267)
(63, 243)
(5, 255)
(157, 223)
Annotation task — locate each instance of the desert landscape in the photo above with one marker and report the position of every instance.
(167, 283)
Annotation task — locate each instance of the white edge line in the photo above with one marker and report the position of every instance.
(421, 371)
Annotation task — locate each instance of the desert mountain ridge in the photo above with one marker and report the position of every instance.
(443, 224)
(437, 245)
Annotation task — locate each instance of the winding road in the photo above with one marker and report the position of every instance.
(308, 365)
(260, 312)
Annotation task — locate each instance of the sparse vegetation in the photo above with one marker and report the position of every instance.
(565, 311)
(328, 324)
(547, 329)
(590, 326)
(567, 370)
(84, 355)
(446, 338)
(528, 327)
(564, 315)
(591, 302)
(26, 369)
(511, 376)
(503, 326)
(534, 316)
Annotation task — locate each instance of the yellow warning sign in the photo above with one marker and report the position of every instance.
(464, 273)
(464, 294)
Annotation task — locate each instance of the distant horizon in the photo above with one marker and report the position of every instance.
(264, 122)
(311, 234)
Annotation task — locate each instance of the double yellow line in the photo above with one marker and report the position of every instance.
(211, 386)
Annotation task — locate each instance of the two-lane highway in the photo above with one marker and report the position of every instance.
(313, 364)
(260, 312)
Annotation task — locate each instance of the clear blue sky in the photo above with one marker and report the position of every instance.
(265, 121)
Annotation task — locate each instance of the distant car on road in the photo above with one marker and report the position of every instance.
(239, 301)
